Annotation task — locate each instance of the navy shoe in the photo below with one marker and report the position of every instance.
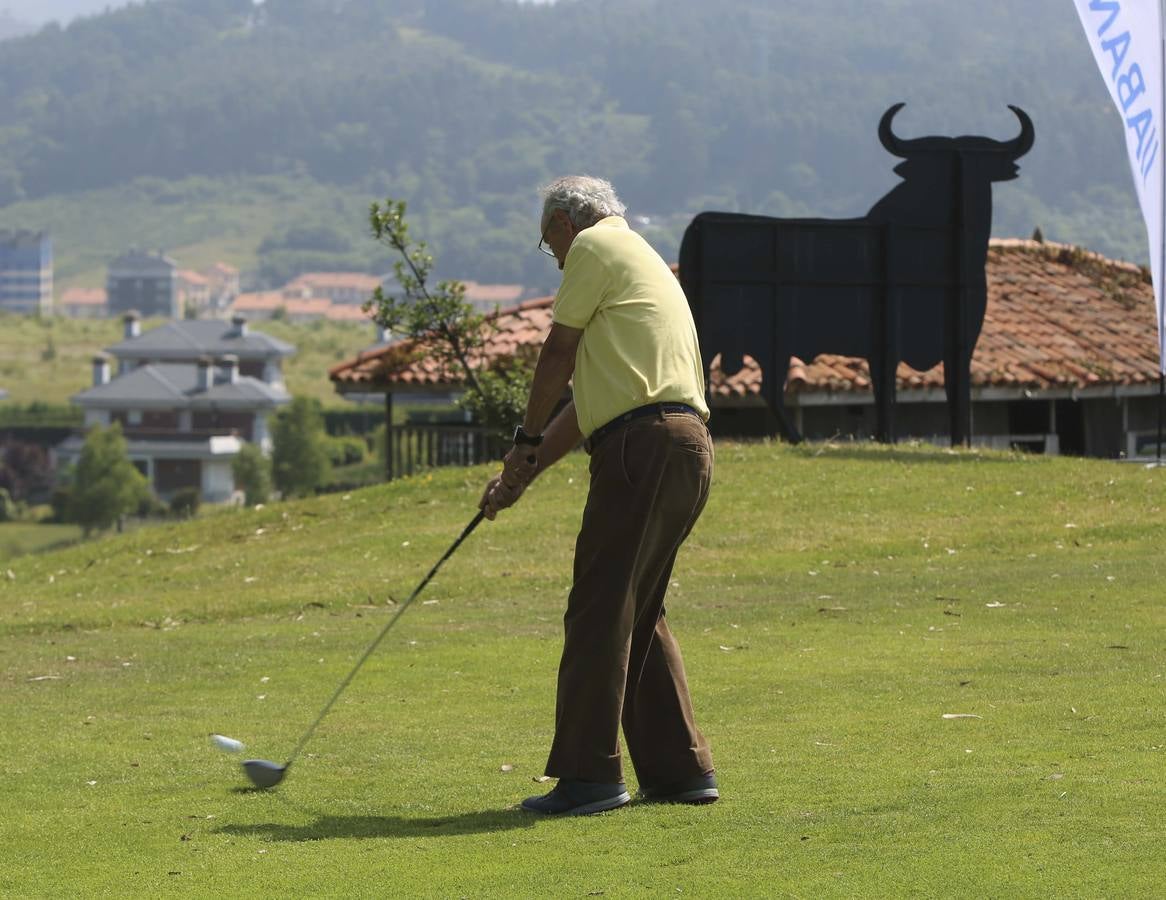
(579, 798)
(701, 789)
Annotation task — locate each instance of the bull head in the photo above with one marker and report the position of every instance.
(1013, 149)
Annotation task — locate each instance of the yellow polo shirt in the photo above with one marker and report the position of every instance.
(639, 342)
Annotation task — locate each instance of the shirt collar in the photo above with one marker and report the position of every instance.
(613, 222)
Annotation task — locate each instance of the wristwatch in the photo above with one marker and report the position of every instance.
(528, 440)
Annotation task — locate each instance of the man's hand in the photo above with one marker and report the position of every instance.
(521, 464)
(518, 470)
(500, 494)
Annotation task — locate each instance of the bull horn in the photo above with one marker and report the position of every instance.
(1022, 144)
(895, 146)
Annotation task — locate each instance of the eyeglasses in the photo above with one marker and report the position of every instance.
(542, 240)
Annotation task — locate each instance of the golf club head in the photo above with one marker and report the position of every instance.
(263, 773)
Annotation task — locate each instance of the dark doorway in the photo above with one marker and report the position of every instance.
(1071, 428)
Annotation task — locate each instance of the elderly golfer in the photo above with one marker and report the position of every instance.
(622, 328)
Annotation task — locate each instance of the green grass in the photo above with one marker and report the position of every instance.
(19, 538)
(50, 359)
(833, 604)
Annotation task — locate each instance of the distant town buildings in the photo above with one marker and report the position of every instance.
(351, 288)
(82, 303)
(336, 296)
(194, 293)
(188, 395)
(339, 296)
(152, 284)
(26, 272)
(142, 281)
(488, 297)
(224, 286)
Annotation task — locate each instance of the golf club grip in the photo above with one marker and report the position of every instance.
(377, 640)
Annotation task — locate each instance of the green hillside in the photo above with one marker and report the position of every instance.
(834, 604)
(215, 125)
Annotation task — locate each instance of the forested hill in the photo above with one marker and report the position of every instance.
(463, 107)
(10, 26)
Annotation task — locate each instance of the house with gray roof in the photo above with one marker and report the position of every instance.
(189, 340)
(187, 395)
(145, 281)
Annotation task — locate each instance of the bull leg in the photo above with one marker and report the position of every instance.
(775, 398)
(957, 386)
(957, 371)
(882, 376)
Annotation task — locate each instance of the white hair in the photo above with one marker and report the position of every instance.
(583, 198)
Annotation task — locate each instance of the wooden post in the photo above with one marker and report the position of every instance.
(388, 435)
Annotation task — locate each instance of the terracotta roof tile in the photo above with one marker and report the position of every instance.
(84, 297)
(1057, 316)
(324, 280)
(346, 312)
(492, 293)
(400, 363)
(316, 306)
(260, 301)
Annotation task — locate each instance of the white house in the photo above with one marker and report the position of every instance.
(188, 395)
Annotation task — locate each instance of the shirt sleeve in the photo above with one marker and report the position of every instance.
(583, 288)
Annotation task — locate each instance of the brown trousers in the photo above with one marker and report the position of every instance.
(649, 483)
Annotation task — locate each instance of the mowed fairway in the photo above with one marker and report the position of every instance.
(834, 604)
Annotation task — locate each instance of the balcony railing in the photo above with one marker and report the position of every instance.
(157, 433)
(412, 448)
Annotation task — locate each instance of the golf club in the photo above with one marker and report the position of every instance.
(264, 773)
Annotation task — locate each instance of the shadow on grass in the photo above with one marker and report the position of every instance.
(362, 827)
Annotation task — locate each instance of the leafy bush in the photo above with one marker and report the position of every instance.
(299, 459)
(150, 507)
(185, 502)
(380, 443)
(346, 451)
(25, 470)
(61, 502)
(106, 485)
(8, 512)
(252, 471)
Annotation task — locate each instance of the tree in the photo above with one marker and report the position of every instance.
(106, 485)
(25, 471)
(445, 325)
(252, 472)
(299, 459)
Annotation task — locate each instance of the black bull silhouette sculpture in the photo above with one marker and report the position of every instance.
(904, 283)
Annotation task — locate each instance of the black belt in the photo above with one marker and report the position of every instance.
(652, 409)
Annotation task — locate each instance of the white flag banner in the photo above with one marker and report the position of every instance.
(1126, 37)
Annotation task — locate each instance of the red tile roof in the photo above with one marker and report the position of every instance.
(335, 280)
(191, 277)
(317, 307)
(401, 363)
(260, 301)
(83, 297)
(346, 312)
(492, 293)
(1057, 316)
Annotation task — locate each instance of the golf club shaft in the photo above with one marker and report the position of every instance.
(376, 641)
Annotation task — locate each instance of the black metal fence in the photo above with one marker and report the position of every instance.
(413, 448)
